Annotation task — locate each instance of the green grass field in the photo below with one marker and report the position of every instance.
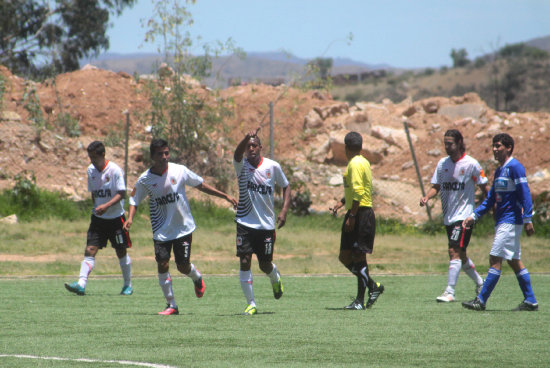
(307, 327)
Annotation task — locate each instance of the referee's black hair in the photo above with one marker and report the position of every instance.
(353, 141)
(457, 137)
(505, 139)
(96, 147)
(156, 144)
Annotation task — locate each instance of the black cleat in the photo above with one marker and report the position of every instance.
(355, 305)
(474, 304)
(526, 306)
(374, 294)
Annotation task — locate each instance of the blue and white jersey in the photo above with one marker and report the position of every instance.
(104, 185)
(256, 187)
(169, 209)
(511, 194)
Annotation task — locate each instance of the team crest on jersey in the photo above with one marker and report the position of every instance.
(268, 174)
(461, 171)
(173, 181)
(107, 178)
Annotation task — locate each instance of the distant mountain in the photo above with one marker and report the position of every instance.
(270, 67)
(542, 43)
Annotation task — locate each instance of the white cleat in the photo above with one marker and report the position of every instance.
(445, 298)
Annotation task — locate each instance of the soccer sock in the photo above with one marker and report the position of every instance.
(490, 282)
(470, 268)
(165, 282)
(86, 267)
(126, 267)
(524, 280)
(274, 274)
(454, 271)
(194, 274)
(246, 285)
(362, 272)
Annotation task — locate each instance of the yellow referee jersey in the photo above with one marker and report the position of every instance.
(358, 182)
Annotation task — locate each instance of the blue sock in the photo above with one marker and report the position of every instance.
(490, 282)
(524, 281)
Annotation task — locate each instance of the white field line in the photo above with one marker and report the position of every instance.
(121, 362)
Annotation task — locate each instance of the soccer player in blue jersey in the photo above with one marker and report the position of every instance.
(514, 209)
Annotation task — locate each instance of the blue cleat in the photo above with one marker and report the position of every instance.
(73, 287)
(127, 290)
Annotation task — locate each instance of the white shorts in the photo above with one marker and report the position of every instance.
(506, 244)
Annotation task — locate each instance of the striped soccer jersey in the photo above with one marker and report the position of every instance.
(511, 193)
(169, 209)
(104, 185)
(457, 182)
(256, 186)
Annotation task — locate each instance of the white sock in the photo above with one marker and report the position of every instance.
(470, 269)
(86, 268)
(246, 285)
(165, 282)
(454, 271)
(126, 268)
(194, 274)
(274, 274)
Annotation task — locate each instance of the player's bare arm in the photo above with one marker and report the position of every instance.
(208, 189)
(131, 212)
(334, 209)
(432, 192)
(281, 219)
(102, 208)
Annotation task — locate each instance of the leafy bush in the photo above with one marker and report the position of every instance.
(31, 203)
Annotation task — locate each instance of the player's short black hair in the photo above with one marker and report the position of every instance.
(156, 144)
(257, 139)
(353, 141)
(457, 137)
(96, 147)
(505, 139)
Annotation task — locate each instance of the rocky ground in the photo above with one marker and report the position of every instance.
(309, 129)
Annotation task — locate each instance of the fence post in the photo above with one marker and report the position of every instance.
(126, 143)
(416, 167)
(271, 138)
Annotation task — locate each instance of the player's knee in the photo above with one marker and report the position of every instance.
(163, 266)
(266, 267)
(184, 268)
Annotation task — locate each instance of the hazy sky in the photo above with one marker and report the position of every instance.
(401, 33)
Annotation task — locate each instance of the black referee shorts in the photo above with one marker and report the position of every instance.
(361, 238)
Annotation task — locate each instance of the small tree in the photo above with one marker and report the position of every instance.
(460, 58)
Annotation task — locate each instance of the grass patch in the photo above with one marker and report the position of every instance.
(305, 328)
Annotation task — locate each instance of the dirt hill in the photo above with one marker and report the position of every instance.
(309, 129)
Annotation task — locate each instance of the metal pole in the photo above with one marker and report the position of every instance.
(271, 123)
(416, 167)
(126, 142)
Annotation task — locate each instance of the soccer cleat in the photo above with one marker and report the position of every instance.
(474, 304)
(199, 287)
(169, 311)
(355, 305)
(250, 310)
(446, 297)
(73, 287)
(127, 290)
(374, 294)
(278, 288)
(526, 306)
(479, 287)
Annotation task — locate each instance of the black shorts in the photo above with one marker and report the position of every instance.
(259, 242)
(101, 230)
(361, 238)
(459, 237)
(182, 249)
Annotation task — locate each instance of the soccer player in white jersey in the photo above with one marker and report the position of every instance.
(455, 178)
(255, 217)
(171, 219)
(106, 183)
(513, 213)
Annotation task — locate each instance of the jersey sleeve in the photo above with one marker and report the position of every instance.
(191, 179)
(89, 173)
(478, 176)
(120, 186)
(523, 192)
(138, 194)
(238, 166)
(280, 177)
(358, 179)
(435, 178)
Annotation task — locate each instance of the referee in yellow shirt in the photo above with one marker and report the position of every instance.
(359, 225)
